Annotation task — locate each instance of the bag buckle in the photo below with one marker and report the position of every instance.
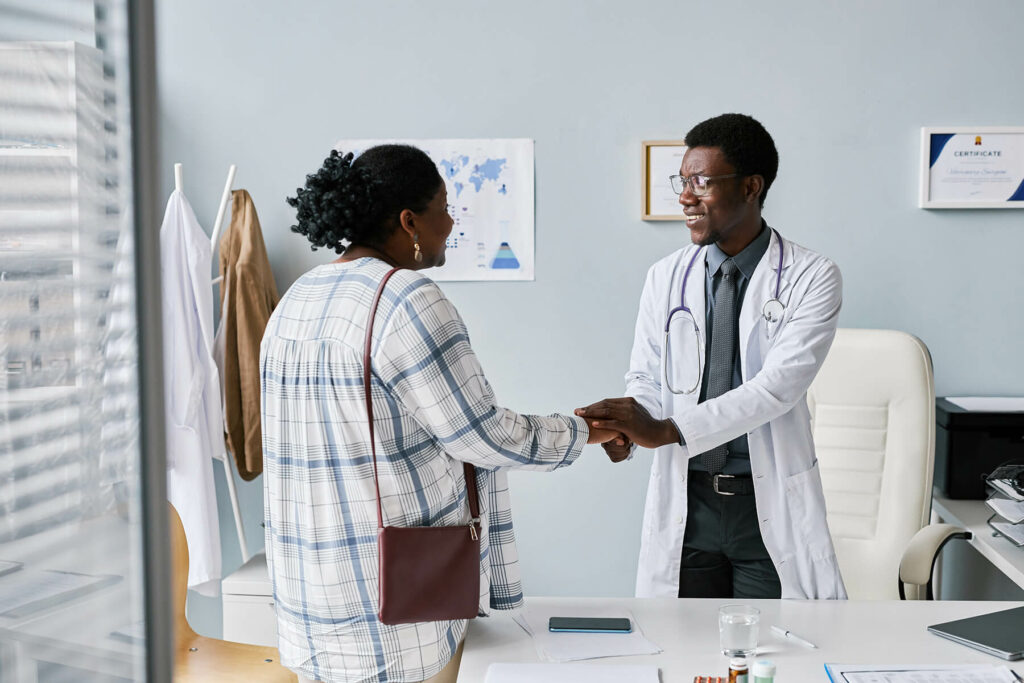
(472, 528)
(714, 484)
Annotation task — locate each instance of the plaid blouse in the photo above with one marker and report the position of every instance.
(433, 410)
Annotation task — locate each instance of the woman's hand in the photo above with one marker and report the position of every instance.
(599, 435)
(618, 449)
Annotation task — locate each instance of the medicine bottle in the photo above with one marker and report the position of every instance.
(763, 671)
(737, 670)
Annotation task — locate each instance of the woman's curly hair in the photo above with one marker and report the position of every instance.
(358, 200)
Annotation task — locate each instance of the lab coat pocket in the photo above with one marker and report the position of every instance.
(806, 502)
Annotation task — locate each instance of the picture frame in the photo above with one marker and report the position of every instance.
(661, 158)
(979, 167)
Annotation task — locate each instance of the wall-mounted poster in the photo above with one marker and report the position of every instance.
(490, 197)
(972, 168)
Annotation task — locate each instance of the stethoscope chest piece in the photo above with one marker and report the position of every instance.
(773, 310)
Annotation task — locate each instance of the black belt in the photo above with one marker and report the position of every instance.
(725, 484)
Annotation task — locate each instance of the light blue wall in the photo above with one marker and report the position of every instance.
(843, 86)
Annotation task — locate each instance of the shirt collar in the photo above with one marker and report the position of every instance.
(747, 259)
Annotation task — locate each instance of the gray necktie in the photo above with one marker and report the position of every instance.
(723, 349)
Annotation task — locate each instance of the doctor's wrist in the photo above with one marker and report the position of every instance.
(669, 433)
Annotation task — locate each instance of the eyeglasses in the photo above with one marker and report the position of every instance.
(698, 183)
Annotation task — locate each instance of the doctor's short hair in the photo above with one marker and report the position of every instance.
(357, 200)
(744, 142)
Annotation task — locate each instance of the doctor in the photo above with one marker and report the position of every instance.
(731, 331)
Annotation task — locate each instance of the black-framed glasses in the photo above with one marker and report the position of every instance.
(699, 184)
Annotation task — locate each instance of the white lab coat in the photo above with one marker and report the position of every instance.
(778, 362)
(195, 427)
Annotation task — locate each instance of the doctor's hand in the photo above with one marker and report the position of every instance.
(632, 419)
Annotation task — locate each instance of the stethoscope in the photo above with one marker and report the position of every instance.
(772, 312)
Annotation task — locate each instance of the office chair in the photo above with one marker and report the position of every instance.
(198, 659)
(873, 420)
(918, 562)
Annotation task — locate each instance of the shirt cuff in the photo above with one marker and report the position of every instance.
(682, 441)
(580, 436)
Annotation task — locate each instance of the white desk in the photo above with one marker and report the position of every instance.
(77, 633)
(973, 515)
(851, 632)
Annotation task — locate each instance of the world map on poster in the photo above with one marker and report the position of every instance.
(461, 173)
(490, 185)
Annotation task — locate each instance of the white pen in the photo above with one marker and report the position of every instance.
(779, 631)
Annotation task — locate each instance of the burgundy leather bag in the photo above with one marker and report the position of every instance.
(425, 573)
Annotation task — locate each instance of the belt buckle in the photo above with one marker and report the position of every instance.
(714, 484)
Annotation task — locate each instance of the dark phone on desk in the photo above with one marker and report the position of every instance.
(589, 625)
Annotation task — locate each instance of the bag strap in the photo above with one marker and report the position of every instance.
(468, 470)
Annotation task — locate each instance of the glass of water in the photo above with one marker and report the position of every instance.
(737, 629)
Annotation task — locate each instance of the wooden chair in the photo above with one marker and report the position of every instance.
(198, 659)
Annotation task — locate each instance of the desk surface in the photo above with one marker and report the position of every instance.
(77, 632)
(973, 516)
(850, 632)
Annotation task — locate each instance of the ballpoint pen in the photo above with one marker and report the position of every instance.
(781, 632)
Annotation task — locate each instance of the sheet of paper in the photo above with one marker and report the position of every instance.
(1005, 488)
(519, 616)
(989, 404)
(567, 647)
(1014, 532)
(570, 673)
(1010, 510)
(971, 673)
(29, 590)
(918, 674)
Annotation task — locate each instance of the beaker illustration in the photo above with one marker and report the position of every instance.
(505, 258)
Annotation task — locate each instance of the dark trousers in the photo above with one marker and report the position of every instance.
(723, 553)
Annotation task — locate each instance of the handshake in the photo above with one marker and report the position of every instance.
(618, 423)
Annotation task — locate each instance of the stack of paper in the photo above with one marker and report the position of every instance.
(1007, 501)
(570, 673)
(568, 647)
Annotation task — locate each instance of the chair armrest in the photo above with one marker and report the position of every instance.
(918, 559)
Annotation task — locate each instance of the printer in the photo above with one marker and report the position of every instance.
(969, 444)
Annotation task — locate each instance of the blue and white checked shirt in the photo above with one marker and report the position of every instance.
(433, 409)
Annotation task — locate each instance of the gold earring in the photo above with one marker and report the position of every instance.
(417, 255)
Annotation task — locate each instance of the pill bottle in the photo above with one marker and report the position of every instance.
(763, 671)
(737, 670)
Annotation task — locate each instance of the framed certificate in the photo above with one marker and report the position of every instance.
(972, 168)
(662, 158)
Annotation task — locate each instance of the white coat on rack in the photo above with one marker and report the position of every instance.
(191, 387)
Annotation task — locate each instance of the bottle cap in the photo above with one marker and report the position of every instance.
(737, 663)
(764, 668)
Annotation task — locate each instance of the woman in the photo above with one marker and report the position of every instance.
(433, 410)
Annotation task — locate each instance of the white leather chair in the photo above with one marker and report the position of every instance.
(873, 418)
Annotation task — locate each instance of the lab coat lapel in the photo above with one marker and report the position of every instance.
(695, 288)
(695, 300)
(761, 289)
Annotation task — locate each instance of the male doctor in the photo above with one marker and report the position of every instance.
(731, 331)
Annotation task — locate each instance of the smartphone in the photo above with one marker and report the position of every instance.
(589, 625)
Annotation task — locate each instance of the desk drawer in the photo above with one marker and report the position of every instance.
(250, 619)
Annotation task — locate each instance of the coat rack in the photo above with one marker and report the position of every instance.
(223, 455)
